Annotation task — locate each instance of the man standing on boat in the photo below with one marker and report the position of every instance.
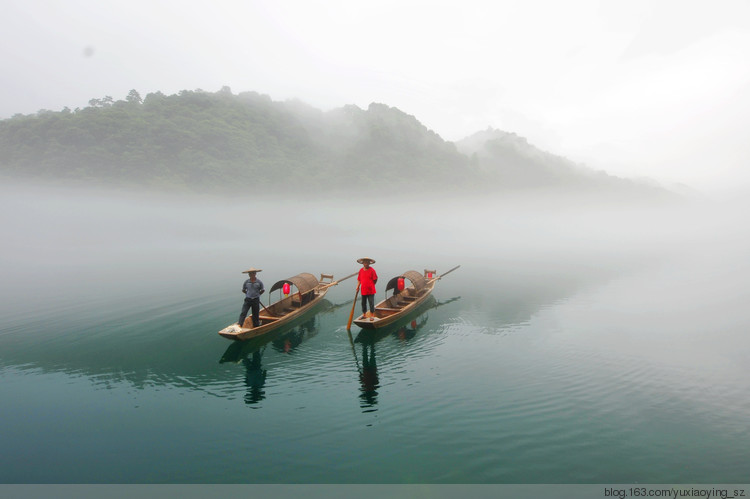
(253, 288)
(367, 279)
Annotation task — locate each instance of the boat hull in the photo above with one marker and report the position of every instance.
(386, 315)
(271, 324)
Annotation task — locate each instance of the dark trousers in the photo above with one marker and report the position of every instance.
(368, 299)
(249, 303)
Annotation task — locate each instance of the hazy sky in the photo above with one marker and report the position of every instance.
(650, 88)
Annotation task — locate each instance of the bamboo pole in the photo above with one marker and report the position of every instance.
(354, 304)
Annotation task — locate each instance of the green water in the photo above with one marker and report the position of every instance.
(562, 351)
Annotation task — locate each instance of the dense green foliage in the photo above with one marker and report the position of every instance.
(192, 139)
(219, 141)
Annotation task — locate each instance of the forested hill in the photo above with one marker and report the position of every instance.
(213, 142)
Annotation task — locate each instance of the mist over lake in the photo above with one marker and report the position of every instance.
(583, 340)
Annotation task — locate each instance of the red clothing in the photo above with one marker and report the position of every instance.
(367, 278)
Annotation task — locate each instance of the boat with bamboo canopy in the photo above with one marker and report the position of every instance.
(297, 296)
(404, 300)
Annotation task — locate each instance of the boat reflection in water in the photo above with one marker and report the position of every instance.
(250, 353)
(403, 331)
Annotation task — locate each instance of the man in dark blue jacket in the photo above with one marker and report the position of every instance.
(253, 288)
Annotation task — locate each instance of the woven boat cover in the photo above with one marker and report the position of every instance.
(305, 282)
(415, 277)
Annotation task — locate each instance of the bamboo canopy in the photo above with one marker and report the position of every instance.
(415, 277)
(304, 282)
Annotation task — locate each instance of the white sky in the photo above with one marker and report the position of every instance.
(643, 88)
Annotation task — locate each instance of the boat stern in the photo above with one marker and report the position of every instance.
(233, 332)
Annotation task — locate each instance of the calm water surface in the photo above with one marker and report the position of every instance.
(564, 350)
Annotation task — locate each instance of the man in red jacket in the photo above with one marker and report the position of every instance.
(367, 279)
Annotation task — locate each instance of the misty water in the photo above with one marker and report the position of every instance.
(581, 341)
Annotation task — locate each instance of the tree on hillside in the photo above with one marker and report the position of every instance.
(134, 97)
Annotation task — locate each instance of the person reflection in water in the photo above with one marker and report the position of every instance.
(255, 378)
(368, 377)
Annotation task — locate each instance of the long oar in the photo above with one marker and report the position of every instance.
(354, 304)
(335, 283)
(443, 274)
(264, 308)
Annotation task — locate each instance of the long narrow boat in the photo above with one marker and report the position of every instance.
(403, 301)
(305, 292)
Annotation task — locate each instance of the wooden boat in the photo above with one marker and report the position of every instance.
(403, 302)
(410, 322)
(404, 328)
(295, 333)
(306, 292)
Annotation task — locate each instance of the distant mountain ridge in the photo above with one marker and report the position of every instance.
(214, 142)
(515, 163)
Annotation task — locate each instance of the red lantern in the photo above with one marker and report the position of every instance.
(400, 284)
(287, 288)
